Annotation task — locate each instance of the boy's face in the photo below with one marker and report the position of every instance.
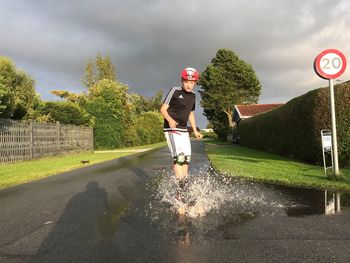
(188, 85)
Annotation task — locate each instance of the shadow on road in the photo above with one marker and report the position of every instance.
(79, 228)
(89, 222)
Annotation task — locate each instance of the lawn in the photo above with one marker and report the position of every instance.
(26, 171)
(255, 165)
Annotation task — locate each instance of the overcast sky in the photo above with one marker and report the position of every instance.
(150, 42)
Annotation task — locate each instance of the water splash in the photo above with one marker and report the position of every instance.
(214, 193)
(227, 203)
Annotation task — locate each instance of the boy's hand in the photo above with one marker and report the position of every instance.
(172, 123)
(198, 135)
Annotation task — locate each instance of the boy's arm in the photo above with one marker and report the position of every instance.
(164, 112)
(192, 120)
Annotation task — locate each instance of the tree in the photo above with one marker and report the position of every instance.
(142, 104)
(7, 99)
(109, 108)
(227, 81)
(79, 99)
(106, 102)
(25, 95)
(102, 69)
(119, 119)
(17, 91)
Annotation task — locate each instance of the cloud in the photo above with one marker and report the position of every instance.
(151, 41)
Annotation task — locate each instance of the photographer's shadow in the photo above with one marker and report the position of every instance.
(80, 228)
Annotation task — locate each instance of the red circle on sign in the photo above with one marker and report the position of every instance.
(321, 72)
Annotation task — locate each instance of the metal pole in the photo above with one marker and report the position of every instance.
(334, 131)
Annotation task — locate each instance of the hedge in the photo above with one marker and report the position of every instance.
(108, 124)
(293, 130)
(146, 128)
(65, 112)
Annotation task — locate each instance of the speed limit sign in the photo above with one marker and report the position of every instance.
(330, 64)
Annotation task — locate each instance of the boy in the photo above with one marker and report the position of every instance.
(178, 107)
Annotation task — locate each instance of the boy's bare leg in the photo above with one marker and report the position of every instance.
(178, 170)
(185, 170)
(180, 175)
(181, 171)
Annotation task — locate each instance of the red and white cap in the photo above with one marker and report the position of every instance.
(189, 74)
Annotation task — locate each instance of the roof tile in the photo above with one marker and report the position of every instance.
(246, 111)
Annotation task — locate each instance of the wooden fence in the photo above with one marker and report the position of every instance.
(26, 140)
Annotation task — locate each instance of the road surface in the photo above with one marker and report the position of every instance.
(117, 211)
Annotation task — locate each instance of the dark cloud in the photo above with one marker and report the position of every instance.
(151, 41)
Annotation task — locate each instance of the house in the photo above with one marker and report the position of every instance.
(242, 112)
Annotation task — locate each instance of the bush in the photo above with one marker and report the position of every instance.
(108, 124)
(145, 128)
(63, 111)
(107, 105)
(115, 123)
(293, 130)
(149, 127)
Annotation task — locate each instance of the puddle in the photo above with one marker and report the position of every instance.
(226, 204)
(238, 216)
(304, 202)
(233, 202)
(214, 193)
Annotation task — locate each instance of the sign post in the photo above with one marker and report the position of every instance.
(334, 130)
(330, 64)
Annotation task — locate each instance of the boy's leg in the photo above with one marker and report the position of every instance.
(182, 183)
(175, 142)
(179, 144)
(187, 153)
(185, 169)
(171, 144)
(179, 171)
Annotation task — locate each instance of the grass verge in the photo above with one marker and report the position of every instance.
(255, 165)
(22, 172)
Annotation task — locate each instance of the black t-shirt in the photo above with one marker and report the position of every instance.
(181, 103)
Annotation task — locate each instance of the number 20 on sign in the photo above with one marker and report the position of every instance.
(331, 64)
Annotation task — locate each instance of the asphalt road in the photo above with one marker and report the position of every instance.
(113, 212)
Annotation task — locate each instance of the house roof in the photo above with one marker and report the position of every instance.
(246, 111)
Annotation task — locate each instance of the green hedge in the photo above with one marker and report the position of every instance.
(146, 128)
(150, 127)
(108, 124)
(65, 112)
(293, 130)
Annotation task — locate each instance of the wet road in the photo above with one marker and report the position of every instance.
(123, 211)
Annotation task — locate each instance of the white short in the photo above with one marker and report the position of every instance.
(178, 142)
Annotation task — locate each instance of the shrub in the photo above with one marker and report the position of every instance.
(293, 130)
(107, 105)
(108, 124)
(63, 111)
(149, 127)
